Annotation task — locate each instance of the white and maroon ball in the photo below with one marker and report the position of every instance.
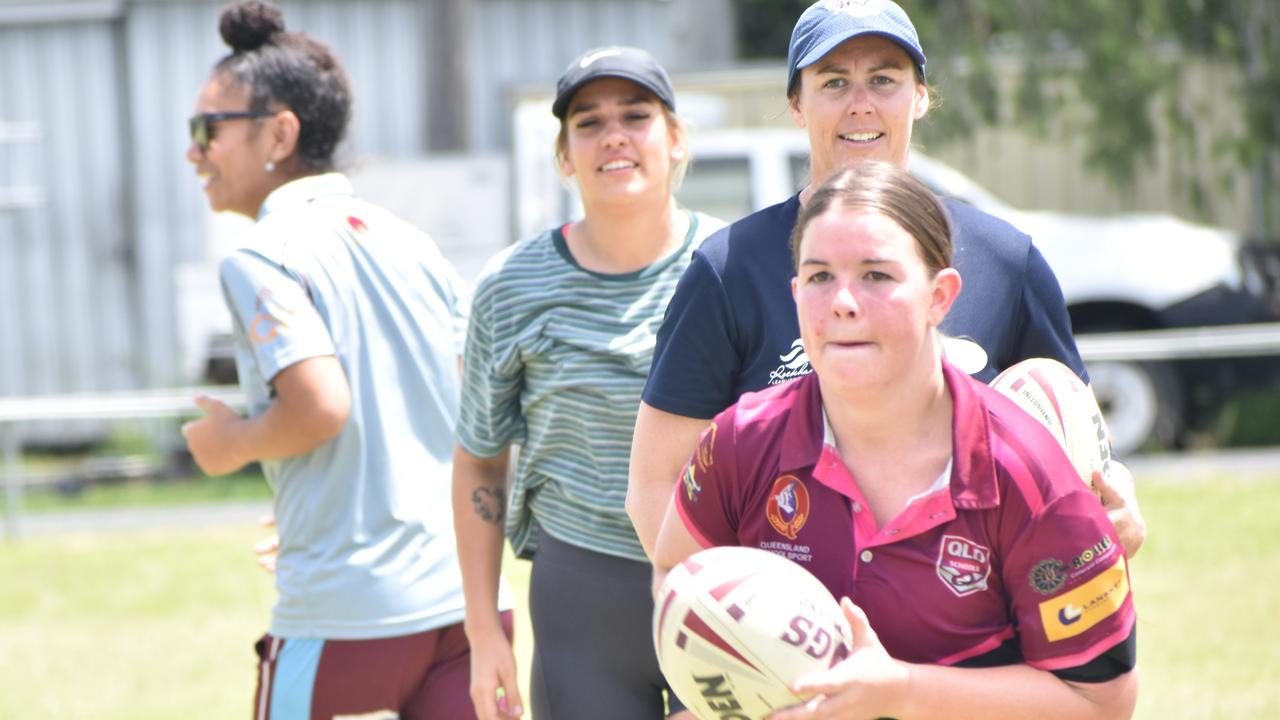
(1055, 396)
(734, 627)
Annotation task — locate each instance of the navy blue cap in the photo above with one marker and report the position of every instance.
(828, 23)
(618, 61)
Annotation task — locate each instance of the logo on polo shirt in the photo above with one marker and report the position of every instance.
(706, 445)
(272, 314)
(856, 8)
(1048, 576)
(691, 487)
(795, 362)
(963, 565)
(1094, 554)
(358, 228)
(788, 506)
(1074, 612)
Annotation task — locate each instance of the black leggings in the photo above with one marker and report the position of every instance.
(593, 654)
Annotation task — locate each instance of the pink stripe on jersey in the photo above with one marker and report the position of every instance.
(1084, 656)
(981, 648)
(1021, 469)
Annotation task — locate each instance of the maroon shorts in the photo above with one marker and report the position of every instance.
(425, 675)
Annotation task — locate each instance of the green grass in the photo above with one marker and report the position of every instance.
(1207, 599)
(152, 624)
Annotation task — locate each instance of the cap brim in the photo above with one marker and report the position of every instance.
(561, 104)
(822, 49)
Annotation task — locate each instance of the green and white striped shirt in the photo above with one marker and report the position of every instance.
(555, 360)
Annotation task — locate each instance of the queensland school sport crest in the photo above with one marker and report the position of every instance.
(963, 565)
(788, 506)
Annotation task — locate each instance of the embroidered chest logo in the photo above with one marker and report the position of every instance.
(795, 362)
(788, 506)
(358, 228)
(963, 565)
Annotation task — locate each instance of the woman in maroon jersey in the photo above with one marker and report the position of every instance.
(980, 577)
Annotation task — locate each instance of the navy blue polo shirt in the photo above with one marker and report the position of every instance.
(731, 326)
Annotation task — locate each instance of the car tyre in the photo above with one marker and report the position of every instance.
(1143, 404)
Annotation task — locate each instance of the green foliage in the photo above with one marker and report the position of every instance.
(1250, 421)
(1121, 61)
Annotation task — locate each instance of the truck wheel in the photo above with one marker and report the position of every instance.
(1142, 403)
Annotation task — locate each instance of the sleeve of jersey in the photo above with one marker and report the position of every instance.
(489, 417)
(695, 362)
(1046, 328)
(1069, 587)
(709, 490)
(271, 308)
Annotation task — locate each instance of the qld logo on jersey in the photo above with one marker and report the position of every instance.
(795, 363)
(963, 565)
(788, 506)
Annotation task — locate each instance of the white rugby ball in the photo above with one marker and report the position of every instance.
(735, 626)
(1055, 396)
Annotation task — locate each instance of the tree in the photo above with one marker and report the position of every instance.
(1121, 60)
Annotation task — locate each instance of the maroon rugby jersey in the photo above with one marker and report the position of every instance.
(1012, 552)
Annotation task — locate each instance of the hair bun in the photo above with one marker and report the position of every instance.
(250, 24)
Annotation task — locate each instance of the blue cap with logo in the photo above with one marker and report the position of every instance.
(618, 61)
(828, 23)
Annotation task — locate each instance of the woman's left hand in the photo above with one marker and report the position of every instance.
(211, 438)
(868, 683)
(1120, 499)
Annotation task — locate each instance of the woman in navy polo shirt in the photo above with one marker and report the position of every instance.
(856, 84)
(980, 577)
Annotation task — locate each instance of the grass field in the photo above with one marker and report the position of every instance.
(153, 624)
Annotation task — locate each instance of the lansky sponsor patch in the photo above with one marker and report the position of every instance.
(1074, 612)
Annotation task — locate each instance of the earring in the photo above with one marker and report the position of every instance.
(271, 166)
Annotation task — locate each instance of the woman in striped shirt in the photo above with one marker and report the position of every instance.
(560, 342)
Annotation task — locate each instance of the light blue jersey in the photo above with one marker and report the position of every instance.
(366, 523)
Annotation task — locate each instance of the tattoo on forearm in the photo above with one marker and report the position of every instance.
(491, 504)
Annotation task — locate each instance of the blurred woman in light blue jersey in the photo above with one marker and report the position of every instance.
(348, 324)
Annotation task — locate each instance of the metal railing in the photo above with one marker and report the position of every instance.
(1181, 344)
(136, 405)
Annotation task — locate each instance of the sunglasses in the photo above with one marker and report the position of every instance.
(202, 125)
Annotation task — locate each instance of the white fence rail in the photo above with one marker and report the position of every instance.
(1181, 344)
(138, 405)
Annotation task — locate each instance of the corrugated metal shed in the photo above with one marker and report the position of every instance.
(66, 309)
(100, 212)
